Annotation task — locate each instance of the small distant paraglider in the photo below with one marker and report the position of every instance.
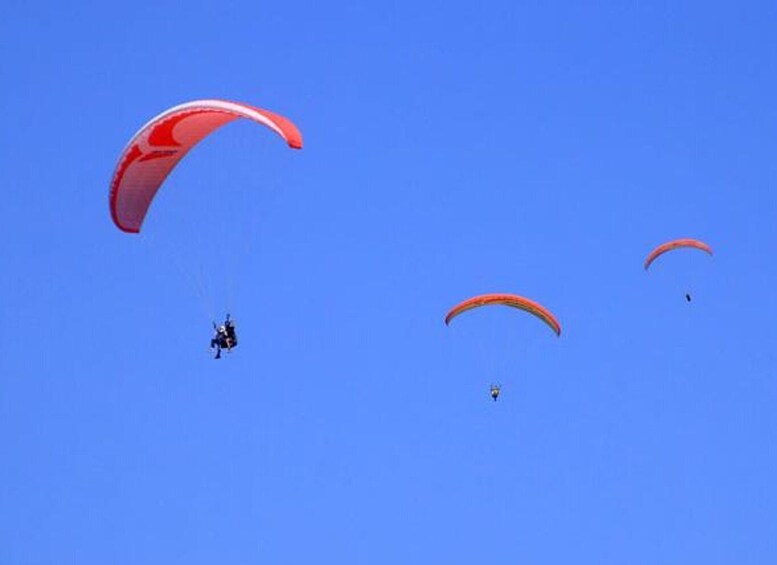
(677, 244)
(513, 301)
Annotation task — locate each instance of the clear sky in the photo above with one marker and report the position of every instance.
(451, 148)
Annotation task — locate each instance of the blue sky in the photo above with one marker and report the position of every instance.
(451, 148)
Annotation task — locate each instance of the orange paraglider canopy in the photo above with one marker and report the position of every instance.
(511, 300)
(676, 244)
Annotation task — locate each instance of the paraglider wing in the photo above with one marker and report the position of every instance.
(506, 300)
(160, 144)
(676, 244)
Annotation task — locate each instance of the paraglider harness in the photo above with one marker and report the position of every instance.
(225, 337)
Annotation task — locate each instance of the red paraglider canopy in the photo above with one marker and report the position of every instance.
(511, 300)
(676, 244)
(160, 144)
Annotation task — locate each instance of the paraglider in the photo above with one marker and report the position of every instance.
(225, 338)
(154, 151)
(677, 244)
(513, 301)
